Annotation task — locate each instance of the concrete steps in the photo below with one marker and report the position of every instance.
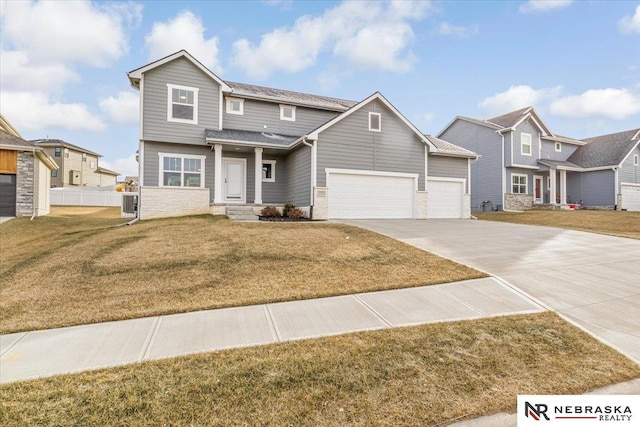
(240, 213)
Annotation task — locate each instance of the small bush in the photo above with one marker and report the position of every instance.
(270, 212)
(296, 213)
(287, 207)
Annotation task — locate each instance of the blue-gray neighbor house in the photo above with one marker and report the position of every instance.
(523, 163)
(214, 146)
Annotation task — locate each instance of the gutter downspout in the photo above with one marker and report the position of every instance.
(33, 204)
(313, 172)
(504, 174)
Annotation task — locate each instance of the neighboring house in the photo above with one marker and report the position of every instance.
(25, 171)
(523, 163)
(208, 144)
(78, 166)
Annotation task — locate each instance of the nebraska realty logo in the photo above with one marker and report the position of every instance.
(578, 410)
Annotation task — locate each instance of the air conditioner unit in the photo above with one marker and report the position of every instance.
(74, 177)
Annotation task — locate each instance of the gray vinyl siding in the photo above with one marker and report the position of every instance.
(598, 188)
(508, 136)
(574, 186)
(260, 116)
(350, 145)
(155, 98)
(486, 172)
(299, 176)
(549, 151)
(449, 167)
(276, 192)
(518, 157)
(628, 172)
(152, 161)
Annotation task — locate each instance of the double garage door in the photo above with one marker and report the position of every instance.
(630, 196)
(388, 195)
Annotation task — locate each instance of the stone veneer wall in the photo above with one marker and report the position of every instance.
(466, 206)
(518, 202)
(24, 184)
(321, 203)
(422, 201)
(162, 202)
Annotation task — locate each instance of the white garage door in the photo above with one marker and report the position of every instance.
(368, 194)
(444, 198)
(630, 196)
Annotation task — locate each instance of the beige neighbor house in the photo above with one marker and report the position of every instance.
(78, 166)
(25, 174)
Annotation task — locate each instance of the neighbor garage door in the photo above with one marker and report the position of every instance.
(369, 194)
(630, 196)
(7, 195)
(444, 198)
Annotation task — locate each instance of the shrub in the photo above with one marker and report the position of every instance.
(287, 207)
(270, 212)
(296, 213)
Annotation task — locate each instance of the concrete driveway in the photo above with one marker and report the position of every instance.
(591, 279)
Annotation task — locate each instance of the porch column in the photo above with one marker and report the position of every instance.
(217, 178)
(552, 190)
(258, 176)
(563, 187)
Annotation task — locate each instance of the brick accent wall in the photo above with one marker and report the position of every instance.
(25, 177)
(466, 206)
(518, 202)
(162, 202)
(421, 204)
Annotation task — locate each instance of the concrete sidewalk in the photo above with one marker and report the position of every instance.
(28, 355)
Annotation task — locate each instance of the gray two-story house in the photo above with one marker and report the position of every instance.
(523, 163)
(207, 145)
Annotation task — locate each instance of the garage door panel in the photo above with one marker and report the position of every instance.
(630, 197)
(444, 198)
(7, 195)
(360, 196)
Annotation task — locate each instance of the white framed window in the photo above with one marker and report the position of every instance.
(54, 173)
(558, 147)
(57, 151)
(235, 106)
(375, 122)
(66, 152)
(518, 183)
(181, 170)
(288, 113)
(84, 157)
(92, 164)
(268, 171)
(525, 144)
(182, 104)
(635, 160)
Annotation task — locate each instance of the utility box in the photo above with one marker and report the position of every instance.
(74, 177)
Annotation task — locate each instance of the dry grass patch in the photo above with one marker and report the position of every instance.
(63, 270)
(615, 223)
(427, 375)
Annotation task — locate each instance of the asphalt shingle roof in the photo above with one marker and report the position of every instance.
(604, 150)
(509, 119)
(267, 138)
(290, 97)
(8, 139)
(445, 147)
(548, 162)
(61, 143)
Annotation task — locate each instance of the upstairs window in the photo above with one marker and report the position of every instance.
(57, 151)
(635, 160)
(525, 144)
(235, 106)
(268, 171)
(518, 184)
(375, 122)
(288, 113)
(54, 172)
(84, 157)
(92, 165)
(183, 104)
(66, 152)
(178, 170)
(558, 147)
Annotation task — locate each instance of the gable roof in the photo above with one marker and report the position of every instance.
(100, 169)
(8, 127)
(9, 141)
(449, 149)
(605, 150)
(313, 135)
(61, 143)
(136, 75)
(510, 119)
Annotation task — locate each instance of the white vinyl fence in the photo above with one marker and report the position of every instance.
(83, 196)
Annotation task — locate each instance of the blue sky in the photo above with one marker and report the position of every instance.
(63, 64)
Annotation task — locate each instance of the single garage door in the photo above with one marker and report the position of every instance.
(7, 195)
(444, 198)
(371, 195)
(630, 196)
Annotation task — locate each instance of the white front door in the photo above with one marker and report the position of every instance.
(538, 190)
(234, 176)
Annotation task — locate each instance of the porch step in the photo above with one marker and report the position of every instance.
(542, 207)
(240, 213)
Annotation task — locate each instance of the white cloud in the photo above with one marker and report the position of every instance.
(185, 31)
(123, 109)
(18, 73)
(363, 34)
(536, 6)
(37, 111)
(616, 104)
(127, 166)
(630, 24)
(75, 31)
(517, 97)
(447, 29)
